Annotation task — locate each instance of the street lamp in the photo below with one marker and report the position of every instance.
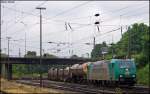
(40, 8)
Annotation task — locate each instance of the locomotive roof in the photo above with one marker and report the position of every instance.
(122, 59)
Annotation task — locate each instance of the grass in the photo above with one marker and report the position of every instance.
(17, 88)
(17, 75)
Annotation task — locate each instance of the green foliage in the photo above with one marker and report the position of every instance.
(97, 51)
(143, 75)
(141, 60)
(31, 70)
(139, 45)
(74, 56)
(30, 54)
(23, 69)
(45, 55)
(3, 55)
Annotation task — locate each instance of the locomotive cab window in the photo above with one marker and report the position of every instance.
(126, 64)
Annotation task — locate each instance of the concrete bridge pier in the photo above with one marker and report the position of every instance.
(0, 70)
(6, 71)
(9, 76)
(3, 71)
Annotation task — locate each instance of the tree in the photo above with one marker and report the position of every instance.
(74, 56)
(146, 44)
(97, 51)
(138, 37)
(3, 55)
(31, 54)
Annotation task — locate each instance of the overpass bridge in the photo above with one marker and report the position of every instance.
(36, 60)
(7, 63)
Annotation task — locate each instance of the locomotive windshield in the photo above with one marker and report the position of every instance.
(126, 64)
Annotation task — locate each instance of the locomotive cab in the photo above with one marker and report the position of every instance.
(123, 71)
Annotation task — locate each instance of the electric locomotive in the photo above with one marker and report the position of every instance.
(116, 71)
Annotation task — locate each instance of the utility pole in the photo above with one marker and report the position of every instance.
(19, 53)
(121, 32)
(129, 43)
(1, 22)
(96, 23)
(43, 50)
(120, 24)
(72, 52)
(40, 8)
(93, 42)
(25, 51)
(112, 47)
(8, 77)
(8, 46)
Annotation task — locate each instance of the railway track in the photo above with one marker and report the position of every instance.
(86, 88)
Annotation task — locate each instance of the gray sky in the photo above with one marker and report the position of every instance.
(21, 17)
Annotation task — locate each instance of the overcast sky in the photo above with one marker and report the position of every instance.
(21, 16)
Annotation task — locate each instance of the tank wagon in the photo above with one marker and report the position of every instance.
(105, 72)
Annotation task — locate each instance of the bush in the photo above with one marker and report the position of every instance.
(143, 75)
(140, 60)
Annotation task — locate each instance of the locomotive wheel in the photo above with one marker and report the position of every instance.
(103, 83)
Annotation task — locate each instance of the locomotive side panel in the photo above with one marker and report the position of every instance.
(98, 71)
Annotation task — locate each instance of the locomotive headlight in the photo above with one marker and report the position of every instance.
(127, 69)
(120, 75)
(133, 75)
